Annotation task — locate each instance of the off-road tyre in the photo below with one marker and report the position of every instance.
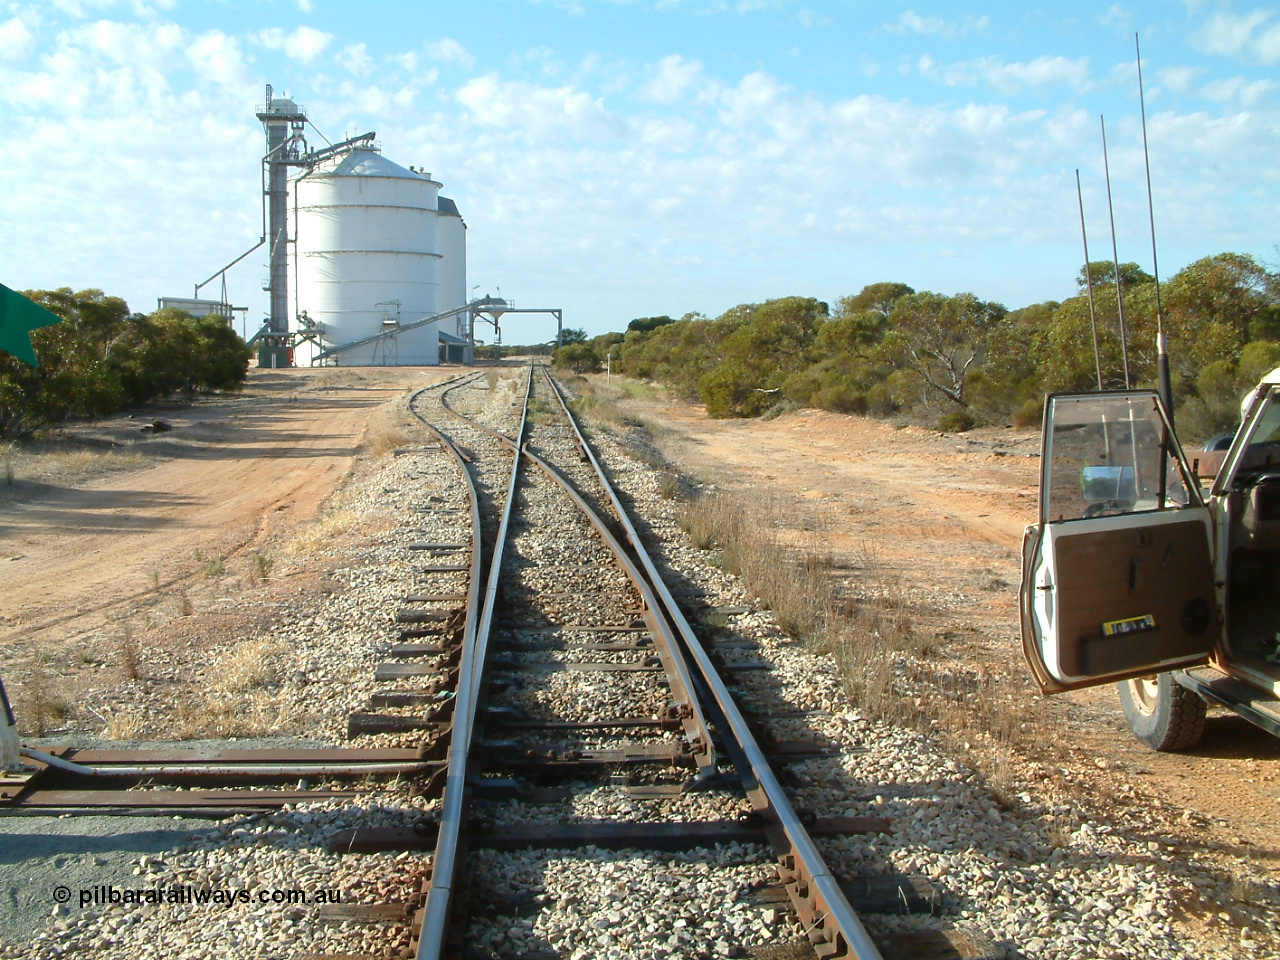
(1162, 714)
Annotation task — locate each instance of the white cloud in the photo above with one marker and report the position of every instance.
(812, 19)
(1255, 35)
(448, 50)
(16, 40)
(526, 107)
(1013, 78)
(367, 104)
(1179, 79)
(356, 59)
(303, 44)
(673, 78)
(1238, 90)
(150, 44)
(754, 94)
(1116, 16)
(910, 22)
(217, 57)
(755, 179)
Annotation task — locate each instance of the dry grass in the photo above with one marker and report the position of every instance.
(248, 666)
(238, 700)
(196, 718)
(260, 566)
(389, 428)
(126, 724)
(336, 379)
(87, 462)
(130, 655)
(41, 705)
(386, 441)
(889, 664)
(333, 526)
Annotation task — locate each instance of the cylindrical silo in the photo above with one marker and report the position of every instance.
(453, 250)
(368, 257)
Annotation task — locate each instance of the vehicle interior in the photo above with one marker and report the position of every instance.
(1253, 515)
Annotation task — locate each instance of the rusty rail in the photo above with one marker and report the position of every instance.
(830, 922)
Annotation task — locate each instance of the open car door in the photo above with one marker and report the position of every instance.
(1117, 577)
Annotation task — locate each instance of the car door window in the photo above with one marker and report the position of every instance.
(1110, 456)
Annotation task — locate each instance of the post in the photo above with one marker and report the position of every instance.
(10, 745)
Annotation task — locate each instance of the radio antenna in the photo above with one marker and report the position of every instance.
(1088, 282)
(1115, 260)
(1162, 341)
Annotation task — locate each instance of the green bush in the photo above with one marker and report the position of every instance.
(101, 358)
(578, 357)
(892, 351)
(957, 421)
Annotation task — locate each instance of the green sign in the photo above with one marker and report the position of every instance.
(18, 317)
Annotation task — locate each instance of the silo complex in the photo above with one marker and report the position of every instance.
(376, 250)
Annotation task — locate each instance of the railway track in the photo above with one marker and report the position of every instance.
(598, 681)
(552, 706)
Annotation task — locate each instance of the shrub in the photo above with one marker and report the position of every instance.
(957, 421)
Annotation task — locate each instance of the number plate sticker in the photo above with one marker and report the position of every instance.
(1118, 628)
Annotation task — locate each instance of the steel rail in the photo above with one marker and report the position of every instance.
(668, 646)
(829, 921)
(448, 860)
(688, 707)
(226, 769)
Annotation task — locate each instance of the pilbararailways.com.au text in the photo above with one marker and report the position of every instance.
(104, 895)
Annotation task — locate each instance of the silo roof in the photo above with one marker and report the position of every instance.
(366, 163)
(447, 207)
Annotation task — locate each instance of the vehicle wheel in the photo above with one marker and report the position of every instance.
(1161, 713)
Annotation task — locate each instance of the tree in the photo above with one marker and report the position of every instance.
(649, 324)
(1102, 273)
(877, 298)
(940, 338)
(101, 358)
(570, 335)
(1229, 288)
(578, 357)
(762, 345)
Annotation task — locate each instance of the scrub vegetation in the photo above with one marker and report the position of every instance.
(957, 361)
(101, 358)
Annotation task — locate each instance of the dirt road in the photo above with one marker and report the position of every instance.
(230, 475)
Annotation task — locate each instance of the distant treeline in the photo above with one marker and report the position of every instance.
(102, 358)
(957, 361)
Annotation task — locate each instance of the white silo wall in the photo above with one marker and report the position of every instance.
(453, 265)
(367, 234)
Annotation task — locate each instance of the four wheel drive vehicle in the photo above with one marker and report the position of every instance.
(1136, 574)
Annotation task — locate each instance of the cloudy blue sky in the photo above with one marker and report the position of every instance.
(623, 158)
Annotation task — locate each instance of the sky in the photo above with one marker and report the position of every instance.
(627, 158)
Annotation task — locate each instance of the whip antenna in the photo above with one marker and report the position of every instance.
(1162, 340)
(1088, 282)
(1115, 260)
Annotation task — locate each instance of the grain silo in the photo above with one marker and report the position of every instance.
(370, 262)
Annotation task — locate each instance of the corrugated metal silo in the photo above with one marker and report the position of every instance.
(368, 258)
(453, 265)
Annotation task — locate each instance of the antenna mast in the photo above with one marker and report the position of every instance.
(1162, 341)
(1115, 260)
(1088, 282)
